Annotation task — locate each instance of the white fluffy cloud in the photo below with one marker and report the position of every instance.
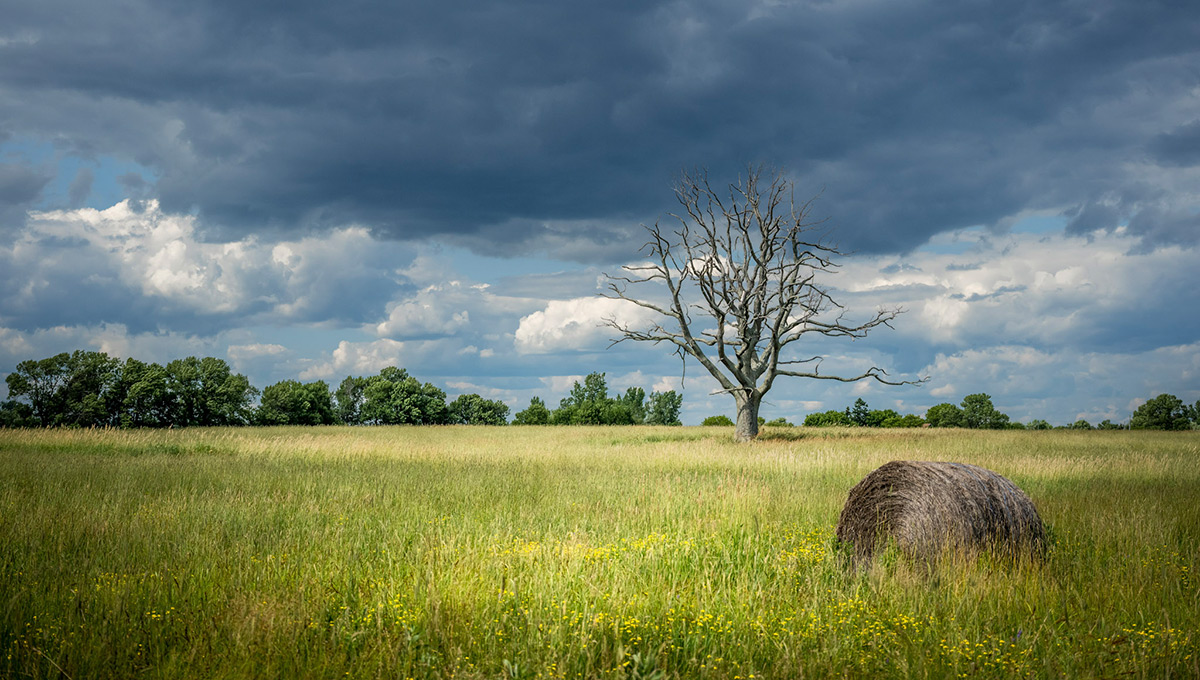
(159, 254)
(1041, 290)
(438, 310)
(574, 324)
(357, 358)
(132, 260)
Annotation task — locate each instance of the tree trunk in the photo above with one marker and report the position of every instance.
(747, 418)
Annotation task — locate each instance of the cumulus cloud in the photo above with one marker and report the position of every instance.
(133, 263)
(357, 358)
(439, 359)
(431, 312)
(1050, 290)
(254, 351)
(575, 324)
(560, 383)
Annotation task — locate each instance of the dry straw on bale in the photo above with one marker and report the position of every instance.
(929, 508)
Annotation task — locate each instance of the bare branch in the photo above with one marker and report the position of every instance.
(875, 372)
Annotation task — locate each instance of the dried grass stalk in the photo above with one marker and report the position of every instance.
(930, 508)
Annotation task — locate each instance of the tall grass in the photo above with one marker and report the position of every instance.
(573, 553)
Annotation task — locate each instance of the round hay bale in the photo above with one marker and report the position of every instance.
(929, 508)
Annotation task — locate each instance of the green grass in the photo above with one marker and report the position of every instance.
(574, 553)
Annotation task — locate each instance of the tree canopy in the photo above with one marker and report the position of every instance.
(291, 402)
(1163, 412)
(395, 398)
(472, 409)
(91, 389)
(536, 414)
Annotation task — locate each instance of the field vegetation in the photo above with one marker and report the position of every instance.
(588, 552)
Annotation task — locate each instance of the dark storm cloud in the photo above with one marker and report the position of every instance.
(494, 121)
(1179, 147)
(20, 187)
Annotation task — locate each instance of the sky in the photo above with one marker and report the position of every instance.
(312, 190)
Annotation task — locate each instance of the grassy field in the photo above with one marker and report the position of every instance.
(574, 553)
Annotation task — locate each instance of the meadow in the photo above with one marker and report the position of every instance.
(539, 552)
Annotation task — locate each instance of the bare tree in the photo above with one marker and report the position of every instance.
(738, 287)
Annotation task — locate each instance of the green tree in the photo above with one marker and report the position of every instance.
(75, 390)
(145, 399)
(616, 412)
(1038, 424)
(859, 413)
(779, 422)
(588, 404)
(14, 414)
(536, 414)
(395, 398)
(472, 409)
(980, 414)
(664, 408)
(1081, 424)
(717, 421)
(291, 402)
(593, 390)
(89, 399)
(41, 382)
(206, 393)
(586, 413)
(349, 398)
(877, 417)
(1164, 412)
(827, 419)
(907, 420)
(945, 415)
(1107, 424)
(634, 400)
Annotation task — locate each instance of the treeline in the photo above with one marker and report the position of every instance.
(92, 389)
(590, 404)
(396, 398)
(1163, 412)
